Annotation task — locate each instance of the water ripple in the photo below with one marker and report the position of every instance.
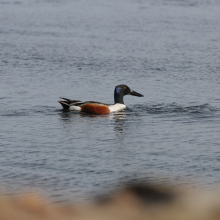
(174, 108)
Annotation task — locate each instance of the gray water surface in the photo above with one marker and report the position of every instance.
(166, 50)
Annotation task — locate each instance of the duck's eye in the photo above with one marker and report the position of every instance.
(125, 87)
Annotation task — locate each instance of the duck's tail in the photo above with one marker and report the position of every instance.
(69, 102)
(64, 104)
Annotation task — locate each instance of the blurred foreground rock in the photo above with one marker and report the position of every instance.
(137, 201)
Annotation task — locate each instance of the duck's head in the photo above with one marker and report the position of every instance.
(121, 91)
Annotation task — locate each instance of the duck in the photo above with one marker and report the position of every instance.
(99, 108)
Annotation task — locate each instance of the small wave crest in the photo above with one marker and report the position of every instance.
(28, 111)
(174, 108)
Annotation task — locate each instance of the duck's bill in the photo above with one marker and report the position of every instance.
(132, 92)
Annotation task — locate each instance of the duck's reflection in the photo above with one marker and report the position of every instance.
(119, 125)
(69, 117)
(119, 120)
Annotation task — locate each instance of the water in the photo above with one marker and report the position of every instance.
(166, 50)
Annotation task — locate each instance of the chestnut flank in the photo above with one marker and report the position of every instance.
(95, 109)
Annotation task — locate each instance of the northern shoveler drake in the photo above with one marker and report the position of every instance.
(99, 108)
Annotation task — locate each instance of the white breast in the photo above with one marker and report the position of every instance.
(116, 107)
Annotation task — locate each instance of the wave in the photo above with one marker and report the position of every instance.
(174, 108)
